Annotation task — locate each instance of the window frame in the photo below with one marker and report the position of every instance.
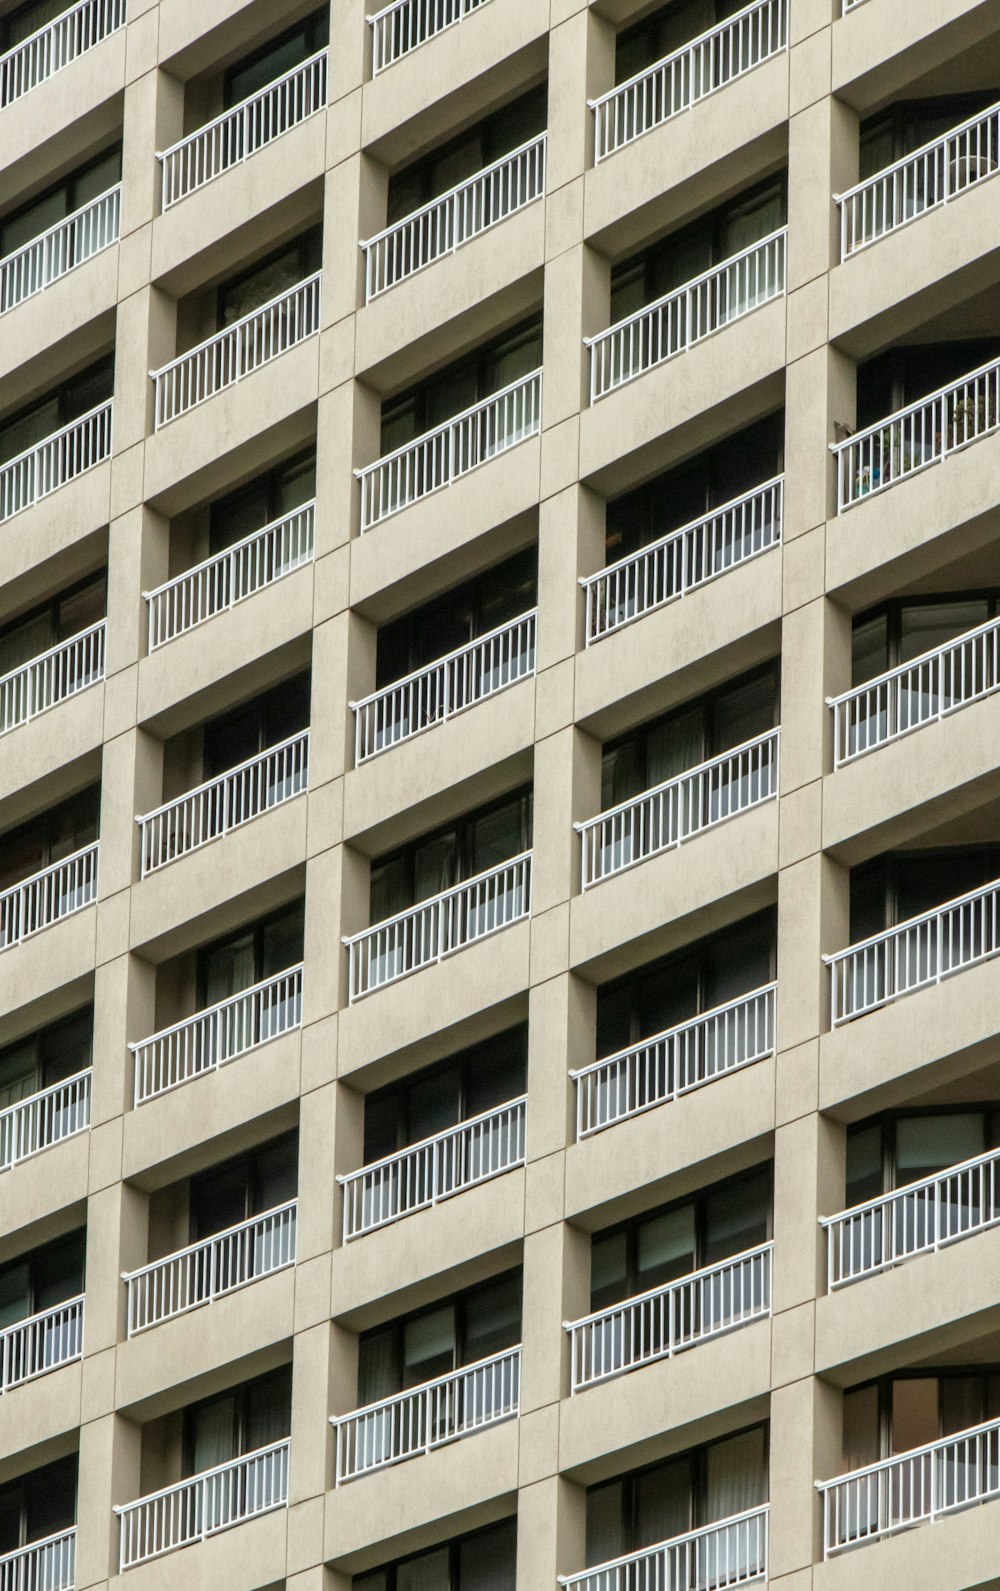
(462, 826)
(241, 1395)
(480, 361)
(258, 928)
(315, 29)
(459, 1301)
(454, 1545)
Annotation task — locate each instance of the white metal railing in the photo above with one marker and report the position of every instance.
(57, 44)
(676, 1061)
(237, 134)
(731, 1552)
(436, 928)
(41, 1343)
(215, 808)
(685, 559)
(436, 693)
(218, 1034)
(912, 1488)
(207, 1503)
(916, 1219)
(44, 1119)
(205, 1271)
(51, 463)
(52, 677)
(434, 1169)
(688, 314)
(688, 75)
(851, 5)
(442, 456)
(666, 1320)
(237, 351)
(60, 249)
(679, 808)
(452, 1406)
(446, 223)
(47, 897)
(404, 24)
(922, 951)
(932, 176)
(48, 1565)
(913, 438)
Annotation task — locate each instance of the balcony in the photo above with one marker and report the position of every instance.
(732, 1552)
(686, 316)
(405, 24)
(56, 45)
(60, 249)
(49, 1565)
(432, 695)
(60, 458)
(44, 1119)
(200, 1507)
(442, 456)
(674, 1062)
(666, 1320)
(684, 560)
(238, 350)
(52, 677)
(203, 1272)
(435, 1169)
(49, 896)
(679, 808)
(37, 1345)
(458, 216)
(688, 75)
(217, 1035)
(912, 1488)
(235, 136)
(438, 927)
(456, 1405)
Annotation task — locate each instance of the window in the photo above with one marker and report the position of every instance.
(261, 501)
(243, 1187)
(474, 1325)
(236, 1422)
(42, 1279)
(901, 1412)
(484, 1560)
(80, 188)
(902, 376)
(275, 58)
(249, 956)
(277, 273)
(41, 418)
(20, 24)
(469, 153)
(462, 385)
(473, 844)
(466, 1085)
(264, 721)
(906, 1147)
(63, 616)
(904, 884)
(47, 1057)
(39, 1504)
(472, 609)
(900, 631)
(902, 128)
(666, 31)
(50, 837)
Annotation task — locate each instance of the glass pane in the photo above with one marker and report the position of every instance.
(259, 287)
(28, 429)
(15, 1291)
(390, 888)
(20, 1073)
(59, 1271)
(228, 969)
(46, 213)
(81, 609)
(238, 515)
(861, 1428)
(498, 1074)
(914, 1412)
(25, 641)
(515, 358)
(382, 1127)
(927, 1144)
(50, 1498)
(276, 1177)
(280, 58)
(736, 1217)
(269, 1410)
(98, 179)
(608, 1270)
(675, 746)
(435, 865)
(487, 1561)
(377, 1377)
(622, 773)
(743, 711)
(492, 1318)
(282, 943)
(665, 1247)
(66, 1046)
(219, 1200)
(430, 1572)
(211, 1434)
(962, 1403)
(498, 835)
(30, 18)
(662, 1503)
(757, 218)
(869, 648)
(605, 1523)
(434, 1104)
(927, 625)
(736, 1475)
(738, 961)
(429, 1345)
(296, 484)
(864, 1164)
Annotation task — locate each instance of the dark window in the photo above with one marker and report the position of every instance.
(47, 1057)
(44, 416)
(250, 955)
(245, 1186)
(666, 31)
(462, 385)
(893, 888)
(49, 837)
(433, 1341)
(278, 56)
(21, 23)
(239, 1421)
(264, 721)
(900, 631)
(71, 193)
(901, 1412)
(478, 1079)
(41, 1280)
(39, 1504)
(469, 153)
(63, 616)
(471, 845)
(893, 133)
(261, 501)
(472, 609)
(484, 1560)
(901, 376)
(906, 1147)
(270, 277)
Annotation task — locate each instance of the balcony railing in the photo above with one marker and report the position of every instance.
(666, 1320)
(202, 1506)
(911, 1489)
(676, 1061)
(851, 5)
(404, 24)
(245, 346)
(920, 952)
(48, 1565)
(52, 677)
(60, 249)
(436, 693)
(458, 216)
(56, 45)
(442, 456)
(49, 896)
(678, 320)
(684, 560)
(688, 75)
(459, 1404)
(435, 1169)
(437, 927)
(209, 1270)
(732, 1552)
(218, 1034)
(238, 133)
(44, 1119)
(220, 805)
(679, 808)
(914, 438)
(933, 175)
(39, 1344)
(60, 458)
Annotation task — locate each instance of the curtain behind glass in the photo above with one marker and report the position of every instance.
(736, 1475)
(229, 969)
(377, 1374)
(487, 1560)
(269, 1410)
(430, 1572)
(212, 1438)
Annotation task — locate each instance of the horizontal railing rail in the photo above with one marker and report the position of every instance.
(44, 1119)
(203, 1505)
(432, 695)
(238, 133)
(678, 81)
(237, 351)
(41, 1343)
(442, 456)
(455, 218)
(851, 5)
(676, 1061)
(205, 1271)
(220, 1033)
(437, 927)
(914, 438)
(60, 249)
(52, 677)
(49, 896)
(452, 1406)
(931, 176)
(48, 1565)
(405, 24)
(56, 45)
(679, 808)
(922, 951)
(697, 553)
(56, 460)
(911, 1488)
(215, 808)
(434, 1169)
(731, 1552)
(664, 1321)
(678, 320)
